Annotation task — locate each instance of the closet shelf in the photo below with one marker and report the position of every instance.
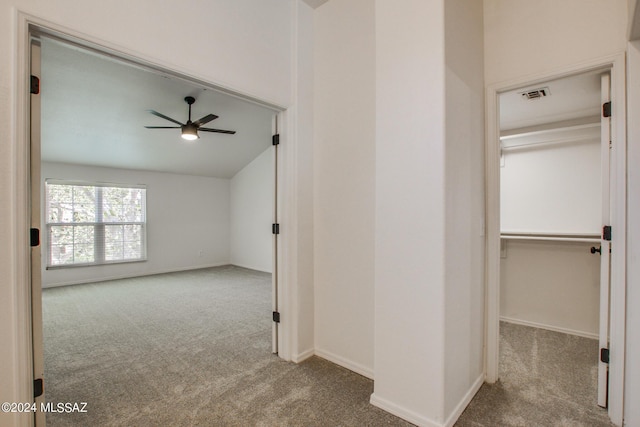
(554, 237)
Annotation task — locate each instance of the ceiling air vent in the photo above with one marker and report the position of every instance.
(535, 93)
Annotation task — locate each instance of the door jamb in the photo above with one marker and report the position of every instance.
(616, 63)
(26, 26)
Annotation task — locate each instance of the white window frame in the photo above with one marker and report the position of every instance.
(99, 225)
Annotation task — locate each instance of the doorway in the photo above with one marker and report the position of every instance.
(536, 235)
(552, 188)
(271, 154)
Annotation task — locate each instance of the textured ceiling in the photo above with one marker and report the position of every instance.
(94, 110)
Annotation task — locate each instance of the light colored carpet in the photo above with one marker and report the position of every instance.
(546, 379)
(188, 349)
(193, 349)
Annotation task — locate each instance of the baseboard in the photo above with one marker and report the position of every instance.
(549, 327)
(345, 363)
(301, 357)
(420, 420)
(132, 275)
(250, 267)
(401, 412)
(459, 409)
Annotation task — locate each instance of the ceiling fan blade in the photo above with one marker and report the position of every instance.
(155, 113)
(163, 127)
(231, 132)
(205, 119)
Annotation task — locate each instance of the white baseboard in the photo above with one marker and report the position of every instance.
(250, 267)
(345, 363)
(131, 275)
(459, 409)
(301, 357)
(401, 412)
(549, 327)
(420, 420)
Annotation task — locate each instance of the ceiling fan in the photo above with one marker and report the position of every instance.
(190, 129)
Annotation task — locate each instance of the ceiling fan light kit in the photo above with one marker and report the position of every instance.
(189, 130)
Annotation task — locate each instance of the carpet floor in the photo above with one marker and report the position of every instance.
(546, 379)
(188, 349)
(194, 349)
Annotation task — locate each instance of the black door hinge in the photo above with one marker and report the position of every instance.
(604, 355)
(275, 139)
(276, 317)
(606, 109)
(606, 232)
(275, 228)
(35, 85)
(35, 237)
(38, 387)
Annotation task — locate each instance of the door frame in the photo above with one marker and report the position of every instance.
(28, 25)
(616, 63)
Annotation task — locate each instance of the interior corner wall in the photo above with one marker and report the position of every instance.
(632, 367)
(187, 223)
(251, 206)
(344, 182)
(409, 210)
(464, 205)
(524, 38)
(303, 345)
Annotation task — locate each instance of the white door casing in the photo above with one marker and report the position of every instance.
(29, 26)
(36, 251)
(274, 275)
(605, 246)
(617, 306)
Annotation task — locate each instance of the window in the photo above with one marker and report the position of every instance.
(90, 224)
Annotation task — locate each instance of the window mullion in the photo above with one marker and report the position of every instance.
(99, 237)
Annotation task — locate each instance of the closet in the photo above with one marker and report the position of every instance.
(550, 218)
(551, 205)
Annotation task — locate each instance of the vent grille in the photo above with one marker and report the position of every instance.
(535, 93)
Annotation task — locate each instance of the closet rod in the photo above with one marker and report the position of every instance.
(552, 136)
(554, 237)
(557, 141)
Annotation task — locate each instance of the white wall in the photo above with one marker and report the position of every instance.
(344, 182)
(409, 208)
(553, 285)
(552, 188)
(248, 42)
(524, 38)
(249, 48)
(187, 222)
(464, 205)
(303, 336)
(632, 377)
(429, 209)
(405, 43)
(251, 214)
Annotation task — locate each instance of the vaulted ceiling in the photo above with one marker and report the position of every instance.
(94, 109)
